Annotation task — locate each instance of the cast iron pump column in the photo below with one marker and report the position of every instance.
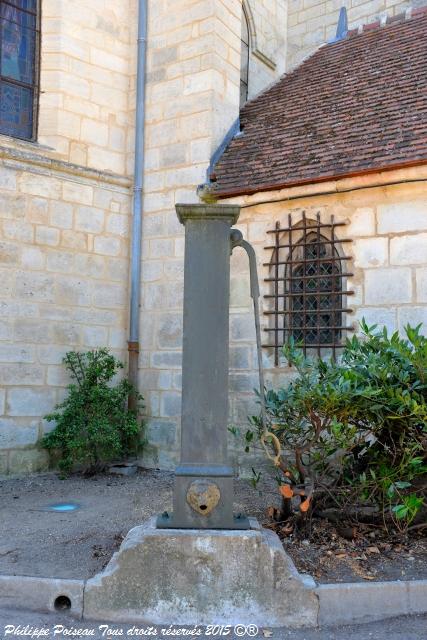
(203, 492)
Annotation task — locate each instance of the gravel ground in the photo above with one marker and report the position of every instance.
(37, 542)
(404, 628)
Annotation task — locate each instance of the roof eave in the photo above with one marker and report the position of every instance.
(247, 191)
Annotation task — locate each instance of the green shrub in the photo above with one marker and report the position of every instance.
(93, 424)
(355, 430)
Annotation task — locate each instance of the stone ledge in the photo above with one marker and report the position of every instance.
(355, 603)
(265, 59)
(41, 159)
(39, 594)
(226, 212)
(351, 603)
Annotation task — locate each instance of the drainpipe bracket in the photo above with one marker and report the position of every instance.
(133, 346)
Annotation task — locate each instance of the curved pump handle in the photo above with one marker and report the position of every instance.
(237, 240)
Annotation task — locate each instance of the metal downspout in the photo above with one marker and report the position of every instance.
(136, 238)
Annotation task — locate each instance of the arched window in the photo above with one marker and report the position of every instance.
(308, 296)
(19, 68)
(244, 65)
(313, 285)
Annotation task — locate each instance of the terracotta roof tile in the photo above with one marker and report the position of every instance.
(354, 106)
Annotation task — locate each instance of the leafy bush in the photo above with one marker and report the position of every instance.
(355, 430)
(93, 424)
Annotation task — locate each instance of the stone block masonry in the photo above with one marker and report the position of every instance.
(387, 226)
(192, 100)
(63, 237)
(65, 204)
(311, 23)
(87, 73)
(65, 200)
(64, 218)
(389, 283)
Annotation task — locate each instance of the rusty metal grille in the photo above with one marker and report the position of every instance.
(19, 67)
(307, 275)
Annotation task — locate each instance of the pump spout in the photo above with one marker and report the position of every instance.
(237, 240)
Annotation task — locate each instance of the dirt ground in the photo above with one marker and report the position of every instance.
(77, 544)
(370, 556)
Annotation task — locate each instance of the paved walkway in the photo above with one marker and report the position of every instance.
(407, 628)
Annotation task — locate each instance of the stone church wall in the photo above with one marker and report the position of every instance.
(65, 209)
(388, 227)
(268, 42)
(65, 200)
(64, 217)
(64, 271)
(87, 77)
(192, 100)
(313, 22)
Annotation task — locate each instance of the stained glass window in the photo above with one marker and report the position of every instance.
(19, 51)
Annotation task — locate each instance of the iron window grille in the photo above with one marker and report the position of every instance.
(308, 278)
(19, 67)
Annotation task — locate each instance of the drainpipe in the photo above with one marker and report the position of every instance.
(136, 244)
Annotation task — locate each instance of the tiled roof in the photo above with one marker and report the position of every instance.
(355, 106)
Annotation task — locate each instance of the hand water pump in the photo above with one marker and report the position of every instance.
(203, 491)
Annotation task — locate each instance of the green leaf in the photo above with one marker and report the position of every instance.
(401, 511)
(391, 490)
(402, 485)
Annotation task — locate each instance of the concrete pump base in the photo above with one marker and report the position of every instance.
(188, 577)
